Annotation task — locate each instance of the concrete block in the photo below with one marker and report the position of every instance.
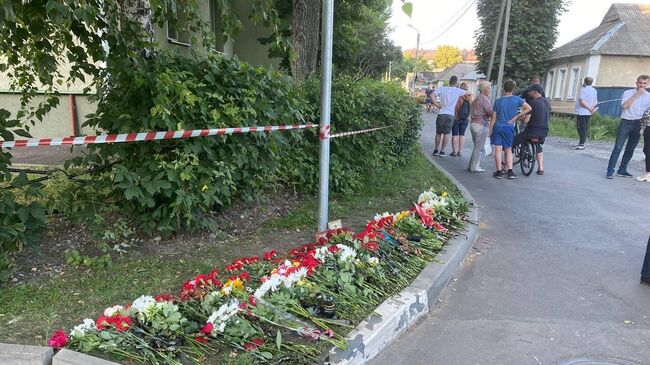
(11, 354)
(69, 357)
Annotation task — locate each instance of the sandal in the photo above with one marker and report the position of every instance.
(459, 154)
(540, 172)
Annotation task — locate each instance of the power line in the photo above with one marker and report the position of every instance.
(471, 3)
(451, 18)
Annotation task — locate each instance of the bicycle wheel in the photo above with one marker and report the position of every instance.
(527, 161)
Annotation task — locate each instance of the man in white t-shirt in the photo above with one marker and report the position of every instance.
(634, 103)
(585, 106)
(448, 96)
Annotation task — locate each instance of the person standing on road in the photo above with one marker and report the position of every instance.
(537, 125)
(645, 131)
(461, 116)
(448, 97)
(481, 120)
(428, 101)
(634, 103)
(585, 106)
(645, 270)
(502, 127)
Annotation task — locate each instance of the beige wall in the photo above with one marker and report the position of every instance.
(58, 122)
(622, 71)
(561, 90)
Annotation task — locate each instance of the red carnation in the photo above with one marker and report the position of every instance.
(251, 300)
(254, 344)
(207, 329)
(123, 323)
(58, 340)
(163, 297)
(104, 322)
(333, 249)
(200, 339)
(245, 276)
(371, 246)
(270, 254)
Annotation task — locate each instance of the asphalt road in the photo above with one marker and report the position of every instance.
(554, 276)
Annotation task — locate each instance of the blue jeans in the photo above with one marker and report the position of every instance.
(645, 270)
(627, 130)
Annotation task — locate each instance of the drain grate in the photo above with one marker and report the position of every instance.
(589, 360)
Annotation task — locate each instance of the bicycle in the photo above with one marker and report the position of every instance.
(526, 154)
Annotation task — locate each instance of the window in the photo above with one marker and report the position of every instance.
(559, 85)
(175, 27)
(550, 76)
(573, 83)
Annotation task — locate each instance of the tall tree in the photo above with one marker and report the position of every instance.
(305, 34)
(533, 32)
(447, 56)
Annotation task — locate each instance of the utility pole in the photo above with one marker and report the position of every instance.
(325, 112)
(504, 46)
(494, 42)
(415, 67)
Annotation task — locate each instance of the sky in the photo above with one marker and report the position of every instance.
(433, 19)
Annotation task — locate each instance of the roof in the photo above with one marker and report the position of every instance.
(622, 32)
(474, 75)
(459, 70)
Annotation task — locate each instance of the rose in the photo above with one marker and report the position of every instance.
(58, 340)
(207, 329)
(254, 344)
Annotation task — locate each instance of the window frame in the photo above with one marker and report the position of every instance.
(573, 84)
(550, 82)
(175, 39)
(559, 92)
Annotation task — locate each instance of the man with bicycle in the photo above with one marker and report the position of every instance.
(537, 124)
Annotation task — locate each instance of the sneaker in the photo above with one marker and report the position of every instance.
(441, 154)
(645, 177)
(623, 174)
(435, 152)
(511, 175)
(479, 170)
(452, 154)
(498, 175)
(459, 154)
(610, 175)
(579, 147)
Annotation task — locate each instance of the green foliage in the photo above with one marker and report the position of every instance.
(447, 56)
(601, 127)
(361, 104)
(531, 36)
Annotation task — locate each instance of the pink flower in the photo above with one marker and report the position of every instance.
(207, 329)
(58, 340)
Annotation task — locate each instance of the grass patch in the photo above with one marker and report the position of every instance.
(601, 128)
(30, 312)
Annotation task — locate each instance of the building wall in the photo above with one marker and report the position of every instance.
(622, 71)
(562, 83)
(58, 122)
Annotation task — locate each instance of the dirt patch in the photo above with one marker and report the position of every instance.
(239, 235)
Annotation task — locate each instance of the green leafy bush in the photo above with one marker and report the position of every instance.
(601, 127)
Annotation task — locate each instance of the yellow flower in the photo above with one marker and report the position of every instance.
(402, 215)
(296, 264)
(444, 194)
(204, 188)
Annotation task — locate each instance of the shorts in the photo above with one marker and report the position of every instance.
(427, 101)
(459, 127)
(503, 135)
(444, 123)
(526, 136)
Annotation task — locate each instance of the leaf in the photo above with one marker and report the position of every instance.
(278, 340)
(407, 8)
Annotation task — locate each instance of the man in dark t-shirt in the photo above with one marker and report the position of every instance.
(537, 124)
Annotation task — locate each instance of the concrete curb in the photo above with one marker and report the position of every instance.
(11, 354)
(398, 313)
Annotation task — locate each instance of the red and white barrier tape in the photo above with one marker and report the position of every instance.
(344, 134)
(145, 136)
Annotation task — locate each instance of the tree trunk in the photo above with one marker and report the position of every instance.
(139, 11)
(305, 31)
